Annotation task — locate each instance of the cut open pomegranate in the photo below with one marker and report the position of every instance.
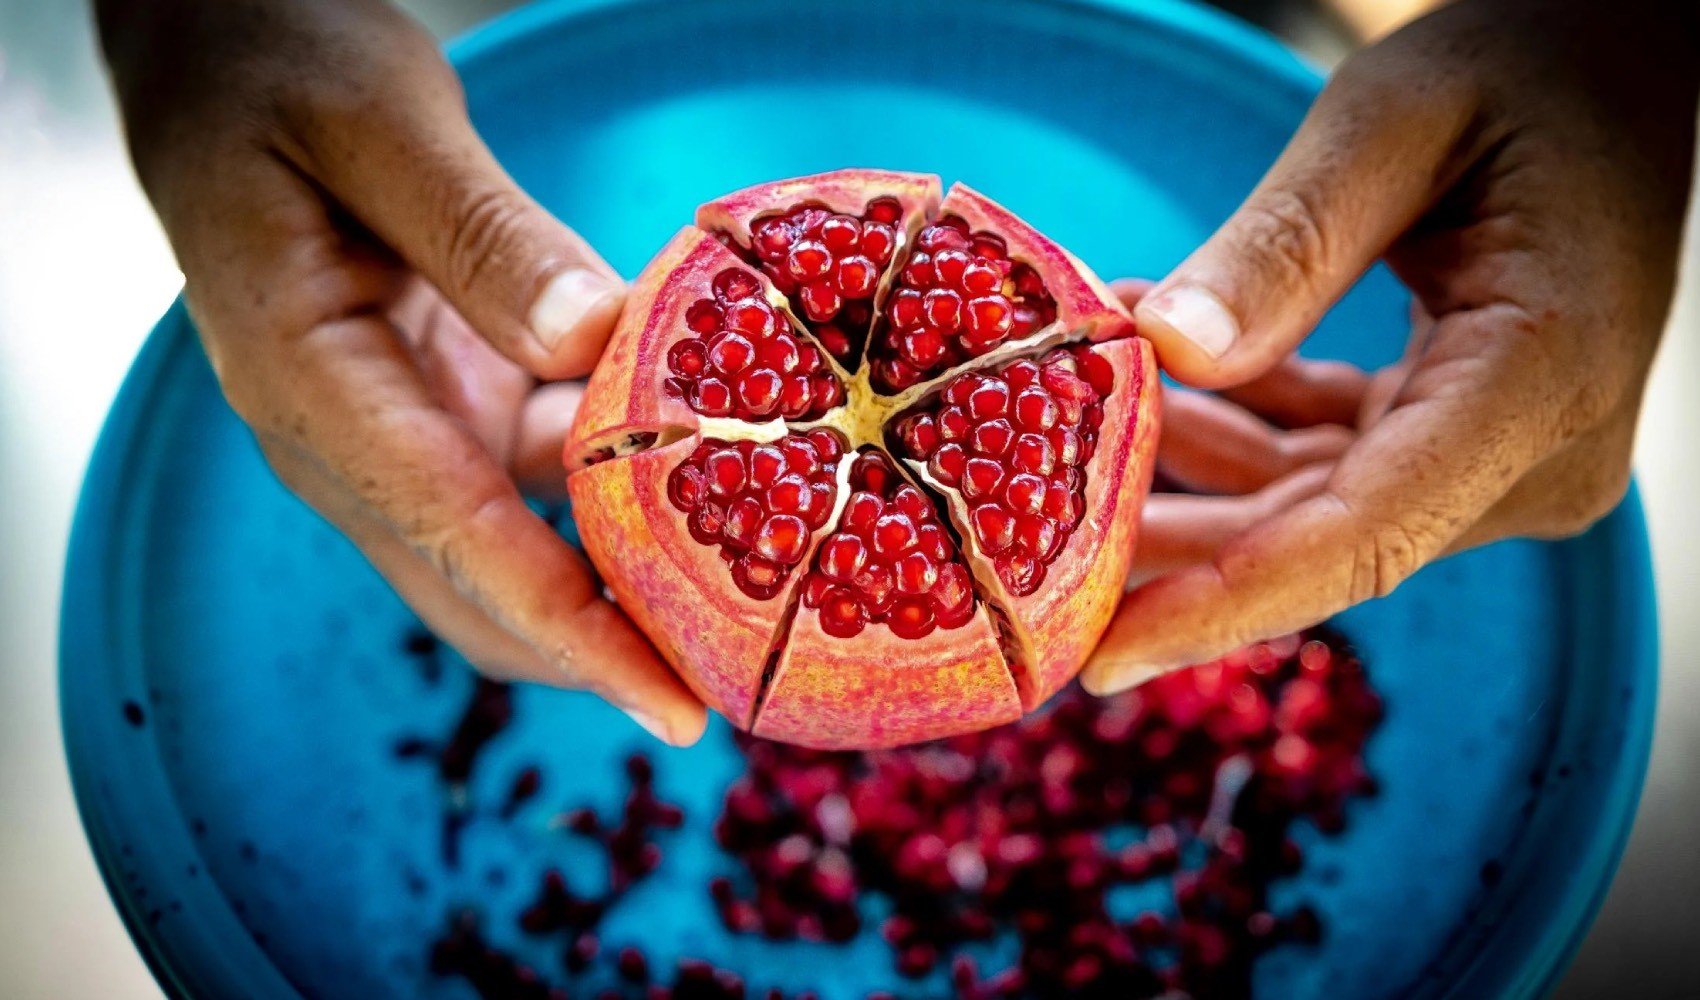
(865, 462)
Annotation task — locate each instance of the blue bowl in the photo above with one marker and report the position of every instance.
(232, 676)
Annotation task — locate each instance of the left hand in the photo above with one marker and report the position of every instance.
(1523, 167)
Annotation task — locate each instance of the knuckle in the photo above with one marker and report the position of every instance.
(484, 228)
(1385, 556)
(1283, 231)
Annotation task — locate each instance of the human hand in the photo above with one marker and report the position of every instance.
(1523, 167)
(336, 216)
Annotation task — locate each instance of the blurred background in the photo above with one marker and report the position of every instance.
(84, 273)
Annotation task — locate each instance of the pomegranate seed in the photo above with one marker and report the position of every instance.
(980, 278)
(991, 438)
(703, 317)
(922, 347)
(753, 318)
(943, 310)
(840, 233)
(758, 390)
(808, 260)
(994, 527)
(981, 477)
(734, 284)
(780, 354)
(989, 399)
(687, 358)
(894, 534)
(915, 573)
(920, 434)
(827, 444)
(781, 538)
(935, 542)
(725, 470)
(790, 495)
(911, 618)
(1033, 454)
(711, 398)
(862, 511)
(743, 516)
(855, 277)
(878, 241)
(842, 556)
(841, 614)
(948, 463)
(953, 424)
(767, 464)
(1025, 493)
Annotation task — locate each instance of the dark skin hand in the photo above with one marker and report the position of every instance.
(389, 313)
(1523, 167)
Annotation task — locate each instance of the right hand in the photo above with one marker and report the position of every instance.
(388, 312)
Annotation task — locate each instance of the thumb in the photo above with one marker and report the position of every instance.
(408, 165)
(1364, 165)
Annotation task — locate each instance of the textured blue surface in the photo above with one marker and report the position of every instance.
(262, 841)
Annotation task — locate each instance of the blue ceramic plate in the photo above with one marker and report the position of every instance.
(233, 682)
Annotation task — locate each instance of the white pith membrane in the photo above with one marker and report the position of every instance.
(864, 419)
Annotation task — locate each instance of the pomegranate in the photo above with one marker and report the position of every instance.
(864, 461)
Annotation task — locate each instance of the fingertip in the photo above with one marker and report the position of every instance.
(1192, 331)
(572, 318)
(689, 727)
(1131, 290)
(1105, 677)
(679, 728)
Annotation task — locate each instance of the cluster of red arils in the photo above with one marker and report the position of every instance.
(1030, 829)
(489, 710)
(628, 843)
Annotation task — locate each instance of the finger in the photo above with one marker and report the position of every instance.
(1131, 290)
(492, 650)
(1209, 445)
(543, 425)
(415, 173)
(463, 373)
(1367, 161)
(1299, 392)
(1178, 529)
(422, 472)
(1472, 421)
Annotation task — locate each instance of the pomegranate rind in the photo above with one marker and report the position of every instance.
(846, 191)
(877, 690)
(1085, 305)
(627, 392)
(678, 590)
(1057, 626)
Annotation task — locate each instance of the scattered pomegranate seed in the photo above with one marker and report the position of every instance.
(830, 265)
(746, 360)
(1009, 830)
(758, 502)
(890, 561)
(957, 296)
(1015, 442)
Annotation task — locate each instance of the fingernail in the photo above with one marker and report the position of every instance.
(1112, 678)
(650, 724)
(1195, 313)
(565, 300)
